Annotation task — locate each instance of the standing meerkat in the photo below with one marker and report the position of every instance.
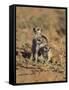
(39, 44)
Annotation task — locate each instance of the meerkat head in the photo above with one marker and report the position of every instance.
(37, 30)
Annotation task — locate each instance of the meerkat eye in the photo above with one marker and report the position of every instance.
(37, 29)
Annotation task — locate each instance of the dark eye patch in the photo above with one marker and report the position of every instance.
(37, 29)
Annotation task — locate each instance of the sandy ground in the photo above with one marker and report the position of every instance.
(27, 73)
